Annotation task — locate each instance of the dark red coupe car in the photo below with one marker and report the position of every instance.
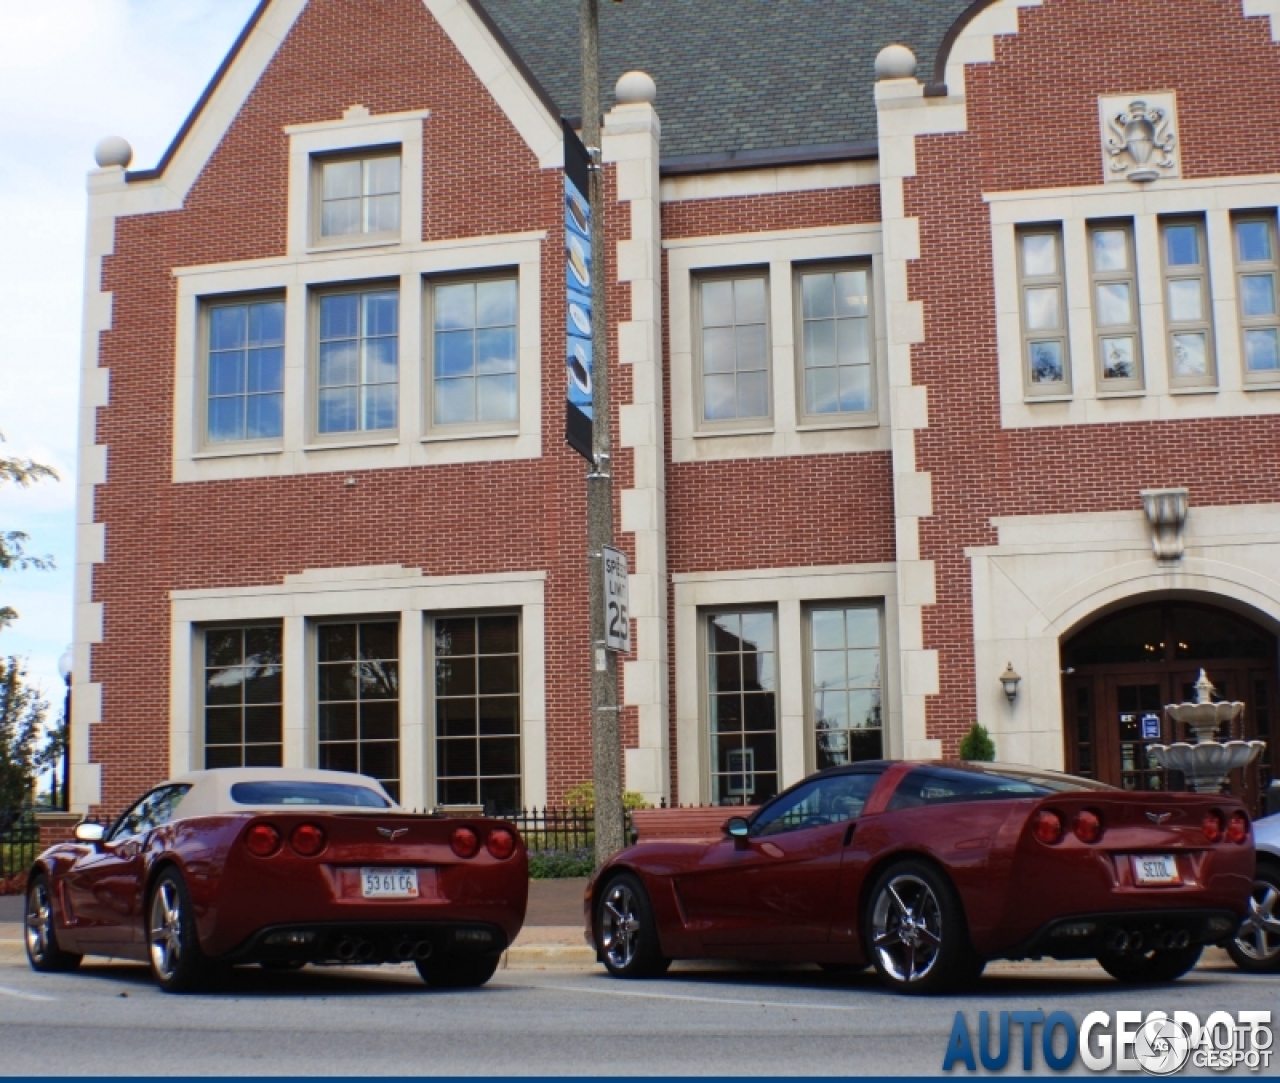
(929, 870)
(283, 868)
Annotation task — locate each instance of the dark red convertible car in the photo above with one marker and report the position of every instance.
(283, 868)
(929, 870)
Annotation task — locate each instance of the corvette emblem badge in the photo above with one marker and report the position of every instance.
(393, 833)
(1158, 817)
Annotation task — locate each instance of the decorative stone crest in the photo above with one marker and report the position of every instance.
(1139, 137)
(1166, 511)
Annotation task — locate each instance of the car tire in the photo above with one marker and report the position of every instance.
(1256, 946)
(458, 971)
(40, 932)
(916, 933)
(173, 948)
(626, 933)
(1151, 967)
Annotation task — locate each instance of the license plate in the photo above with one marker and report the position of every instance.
(389, 883)
(1155, 869)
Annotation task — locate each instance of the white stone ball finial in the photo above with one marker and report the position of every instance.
(635, 88)
(113, 151)
(895, 62)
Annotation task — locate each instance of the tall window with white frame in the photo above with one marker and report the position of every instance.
(1042, 287)
(835, 313)
(359, 197)
(244, 365)
(358, 370)
(474, 350)
(1256, 274)
(1188, 302)
(845, 684)
(358, 699)
(742, 710)
(733, 348)
(1117, 336)
(477, 701)
(243, 696)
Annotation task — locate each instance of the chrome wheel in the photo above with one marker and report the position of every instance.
(39, 923)
(620, 926)
(906, 928)
(166, 930)
(1258, 938)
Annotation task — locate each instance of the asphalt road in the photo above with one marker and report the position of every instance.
(110, 1019)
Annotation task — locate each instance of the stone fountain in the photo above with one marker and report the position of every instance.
(1205, 764)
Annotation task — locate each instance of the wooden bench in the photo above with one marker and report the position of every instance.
(684, 823)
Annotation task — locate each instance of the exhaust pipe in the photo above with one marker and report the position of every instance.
(364, 951)
(1136, 942)
(404, 951)
(1182, 939)
(346, 949)
(1162, 941)
(422, 949)
(1118, 942)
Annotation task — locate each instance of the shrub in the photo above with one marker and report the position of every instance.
(15, 884)
(562, 864)
(978, 745)
(583, 796)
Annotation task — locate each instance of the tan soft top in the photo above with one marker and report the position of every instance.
(210, 792)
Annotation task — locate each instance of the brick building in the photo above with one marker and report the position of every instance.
(930, 358)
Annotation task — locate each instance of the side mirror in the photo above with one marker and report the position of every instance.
(737, 828)
(93, 833)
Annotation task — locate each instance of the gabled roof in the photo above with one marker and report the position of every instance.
(734, 76)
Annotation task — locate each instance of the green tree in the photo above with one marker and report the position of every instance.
(13, 552)
(22, 715)
(977, 744)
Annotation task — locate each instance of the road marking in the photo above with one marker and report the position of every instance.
(23, 996)
(706, 1000)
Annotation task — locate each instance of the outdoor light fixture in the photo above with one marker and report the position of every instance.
(1009, 678)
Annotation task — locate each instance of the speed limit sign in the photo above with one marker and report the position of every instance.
(617, 613)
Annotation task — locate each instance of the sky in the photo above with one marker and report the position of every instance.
(72, 72)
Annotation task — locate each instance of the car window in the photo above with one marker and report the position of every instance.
(287, 792)
(941, 785)
(832, 799)
(156, 808)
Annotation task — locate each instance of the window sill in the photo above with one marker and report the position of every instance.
(1195, 389)
(1031, 400)
(851, 423)
(1126, 393)
(352, 245)
(472, 434)
(704, 433)
(238, 452)
(1261, 385)
(346, 445)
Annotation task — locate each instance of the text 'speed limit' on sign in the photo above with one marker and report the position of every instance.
(617, 611)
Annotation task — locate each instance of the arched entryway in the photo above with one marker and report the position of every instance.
(1120, 670)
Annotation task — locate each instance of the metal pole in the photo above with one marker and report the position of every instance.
(606, 738)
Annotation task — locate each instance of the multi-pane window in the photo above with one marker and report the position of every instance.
(1187, 301)
(243, 697)
(360, 196)
(743, 707)
(845, 684)
(358, 699)
(474, 350)
(1256, 271)
(1044, 310)
(359, 361)
(477, 698)
(245, 371)
(837, 348)
(1115, 306)
(733, 346)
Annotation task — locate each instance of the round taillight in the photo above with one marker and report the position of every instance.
(307, 839)
(262, 840)
(1087, 826)
(1238, 828)
(1047, 826)
(501, 843)
(1211, 825)
(465, 842)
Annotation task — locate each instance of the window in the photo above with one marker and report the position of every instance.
(836, 342)
(844, 674)
(243, 697)
(154, 810)
(1256, 270)
(296, 791)
(1115, 306)
(477, 670)
(359, 361)
(359, 197)
(742, 708)
(244, 367)
(1044, 311)
(358, 686)
(733, 348)
(1187, 301)
(474, 352)
(836, 799)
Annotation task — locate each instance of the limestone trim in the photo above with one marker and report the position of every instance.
(770, 181)
(1265, 8)
(300, 600)
(788, 591)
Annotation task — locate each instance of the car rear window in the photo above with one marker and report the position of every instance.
(941, 785)
(285, 792)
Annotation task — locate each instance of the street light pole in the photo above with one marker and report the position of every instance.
(606, 737)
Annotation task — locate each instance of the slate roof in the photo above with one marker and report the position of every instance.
(735, 76)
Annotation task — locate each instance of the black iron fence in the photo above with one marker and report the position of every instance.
(19, 844)
(556, 828)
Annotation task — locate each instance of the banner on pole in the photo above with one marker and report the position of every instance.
(578, 271)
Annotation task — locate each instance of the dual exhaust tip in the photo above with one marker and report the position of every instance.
(352, 949)
(1122, 942)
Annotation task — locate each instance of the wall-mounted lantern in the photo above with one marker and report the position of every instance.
(1010, 679)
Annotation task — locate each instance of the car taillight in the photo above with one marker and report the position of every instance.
(501, 843)
(262, 840)
(1047, 826)
(1087, 826)
(1211, 825)
(1238, 828)
(465, 842)
(307, 839)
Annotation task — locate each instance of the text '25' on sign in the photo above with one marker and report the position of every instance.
(617, 611)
